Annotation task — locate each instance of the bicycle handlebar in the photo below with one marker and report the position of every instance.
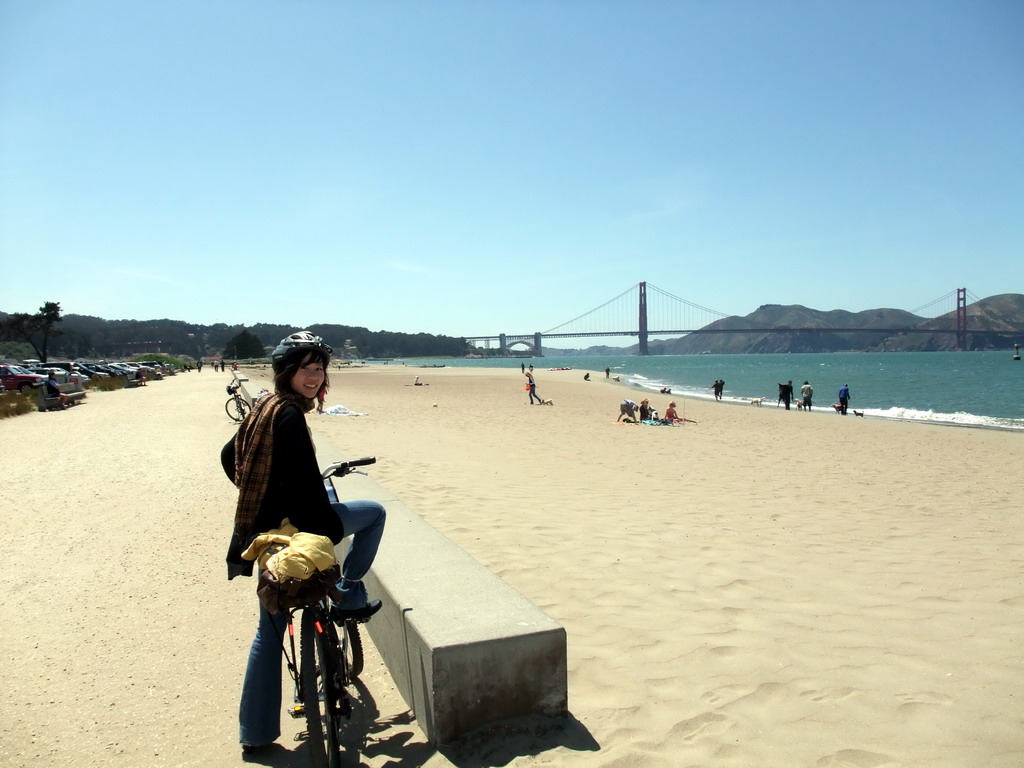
(342, 468)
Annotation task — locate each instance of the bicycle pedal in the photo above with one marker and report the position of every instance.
(297, 711)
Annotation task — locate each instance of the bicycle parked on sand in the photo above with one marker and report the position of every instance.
(330, 659)
(236, 407)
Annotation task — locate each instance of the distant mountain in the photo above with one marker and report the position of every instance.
(874, 331)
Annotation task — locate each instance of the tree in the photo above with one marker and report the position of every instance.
(244, 346)
(36, 330)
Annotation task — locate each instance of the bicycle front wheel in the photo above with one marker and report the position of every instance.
(352, 651)
(237, 408)
(323, 693)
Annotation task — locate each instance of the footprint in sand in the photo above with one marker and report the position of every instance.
(837, 694)
(708, 724)
(922, 701)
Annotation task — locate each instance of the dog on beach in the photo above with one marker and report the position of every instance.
(838, 407)
(547, 402)
(859, 413)
(756, 401)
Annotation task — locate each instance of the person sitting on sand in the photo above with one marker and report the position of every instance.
(672, 417)
(646, 412)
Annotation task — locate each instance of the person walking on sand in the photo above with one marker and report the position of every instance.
(607, 372)
(844, 399)
(531, 385)
(805, 392)
(785, 394)
(272, 461)
(718, 386)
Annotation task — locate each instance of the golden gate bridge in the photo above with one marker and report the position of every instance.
(644, 310)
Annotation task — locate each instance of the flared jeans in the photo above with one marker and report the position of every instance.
(259, 714)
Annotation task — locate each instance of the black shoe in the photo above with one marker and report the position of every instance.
(359, 615)
(252, 749)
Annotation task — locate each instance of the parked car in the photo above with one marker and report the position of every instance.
(14, 377)
(93, 371)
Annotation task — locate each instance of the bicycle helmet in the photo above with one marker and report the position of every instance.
(300, 340)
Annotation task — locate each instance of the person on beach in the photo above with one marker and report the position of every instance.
(717, 388)
(785, 394)
(586, 376)
(805, 392)
(273, 463)
(531, 385)
(607, 372)
(53, 389)
(628, 409)
(646, 412)
(672, 417)
(844, 399)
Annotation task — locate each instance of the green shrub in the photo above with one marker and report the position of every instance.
(15, 403)
(105, 385)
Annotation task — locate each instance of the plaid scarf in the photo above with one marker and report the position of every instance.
(254, 449)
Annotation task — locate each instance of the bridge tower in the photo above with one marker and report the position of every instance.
(536, 345)
(961, 319)
(503, 343)
(642, 349)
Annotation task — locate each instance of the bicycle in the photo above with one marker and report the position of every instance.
(330, 658)
(237, 407)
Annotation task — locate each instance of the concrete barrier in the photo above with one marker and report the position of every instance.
(464, 649)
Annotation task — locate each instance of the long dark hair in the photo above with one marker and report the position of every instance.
(290, 365)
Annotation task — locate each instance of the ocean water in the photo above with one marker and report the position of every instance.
(979, 389)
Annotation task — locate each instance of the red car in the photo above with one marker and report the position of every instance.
(14, 377)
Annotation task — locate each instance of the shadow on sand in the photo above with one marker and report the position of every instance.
(495, 745)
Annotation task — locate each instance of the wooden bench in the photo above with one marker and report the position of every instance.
(73, 390)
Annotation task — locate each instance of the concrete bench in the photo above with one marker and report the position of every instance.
(464, 649)
(73, 389)
(240, 381)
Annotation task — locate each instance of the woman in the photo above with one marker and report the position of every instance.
(673, 417)
(272, 461)
(531, 386)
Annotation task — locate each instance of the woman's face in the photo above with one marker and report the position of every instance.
(309, 378)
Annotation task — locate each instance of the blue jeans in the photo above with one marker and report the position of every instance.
(259, 713)
(533, 394)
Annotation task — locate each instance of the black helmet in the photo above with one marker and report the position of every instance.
(300, 340)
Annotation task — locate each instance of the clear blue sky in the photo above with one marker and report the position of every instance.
(472, 167)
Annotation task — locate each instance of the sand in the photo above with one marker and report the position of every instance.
(763, 588)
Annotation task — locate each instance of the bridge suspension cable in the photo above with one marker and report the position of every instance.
(687, 303)
(942, 305)
(592, 311)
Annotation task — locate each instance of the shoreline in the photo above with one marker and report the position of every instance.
(596, 375)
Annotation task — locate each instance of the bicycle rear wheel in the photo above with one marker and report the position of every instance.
(323, 694)
(237, 408)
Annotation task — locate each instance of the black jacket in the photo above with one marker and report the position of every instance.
(295, 491)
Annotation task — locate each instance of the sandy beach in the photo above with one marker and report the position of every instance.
(762, 588)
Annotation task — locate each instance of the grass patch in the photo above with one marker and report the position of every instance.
(15, 404)
(105, 385)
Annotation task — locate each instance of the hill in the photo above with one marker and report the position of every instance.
(993, 323)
